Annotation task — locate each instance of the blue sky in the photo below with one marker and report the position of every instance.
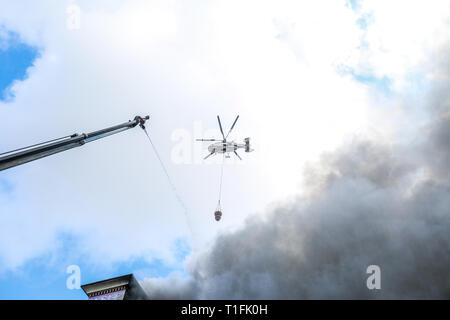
(183, 67)
(45, 277)
(15, 58)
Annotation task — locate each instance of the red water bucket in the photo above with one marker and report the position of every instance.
(218, 215)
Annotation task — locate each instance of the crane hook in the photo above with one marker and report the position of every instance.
(141, 121)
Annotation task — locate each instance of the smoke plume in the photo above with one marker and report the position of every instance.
(371, 202)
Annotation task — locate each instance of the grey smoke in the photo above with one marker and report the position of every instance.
(370, 202)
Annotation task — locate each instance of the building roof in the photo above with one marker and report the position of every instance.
(119, 288)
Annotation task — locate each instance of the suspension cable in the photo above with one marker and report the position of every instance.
(221, 177)
(172, 185)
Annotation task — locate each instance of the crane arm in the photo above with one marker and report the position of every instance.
(20, 156)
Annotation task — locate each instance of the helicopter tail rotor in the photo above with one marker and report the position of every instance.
(247, 145)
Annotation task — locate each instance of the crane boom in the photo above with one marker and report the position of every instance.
(23, 155)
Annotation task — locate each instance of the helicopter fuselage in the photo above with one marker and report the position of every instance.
(225, 147)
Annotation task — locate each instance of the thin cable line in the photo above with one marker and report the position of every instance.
(172, 185)
(221, 177)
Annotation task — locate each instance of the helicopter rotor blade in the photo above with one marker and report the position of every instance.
(220, 125)
(207, 140)
(237, 155)
(232, 126)
(209, 155)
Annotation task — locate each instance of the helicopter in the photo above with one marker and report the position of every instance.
(222, 146)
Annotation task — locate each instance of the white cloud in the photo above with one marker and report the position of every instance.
(402, 35)
(274, 63)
